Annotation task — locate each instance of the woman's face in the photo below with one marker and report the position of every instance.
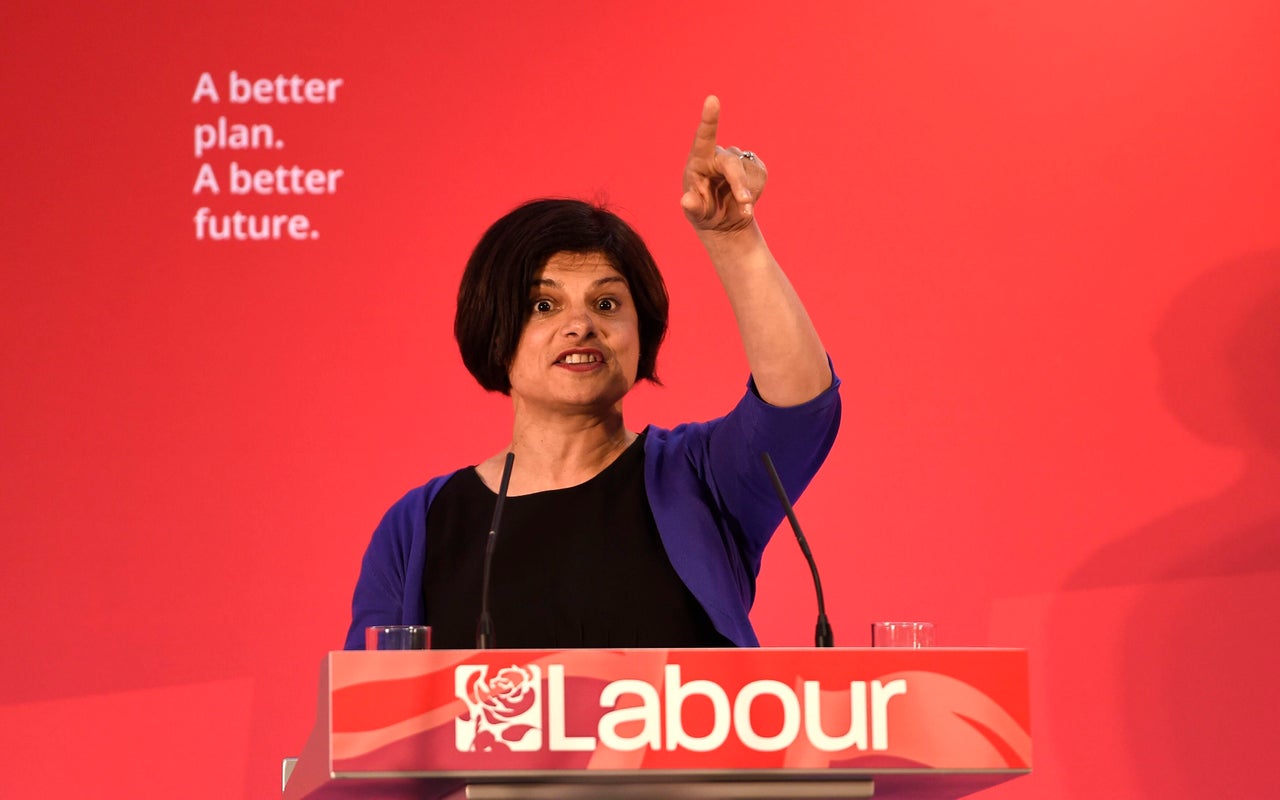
(580, 349)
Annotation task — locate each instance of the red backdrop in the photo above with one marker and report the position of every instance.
(1041, 242)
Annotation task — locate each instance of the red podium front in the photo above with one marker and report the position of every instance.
(929, 723)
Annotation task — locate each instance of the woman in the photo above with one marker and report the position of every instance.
(610, 538)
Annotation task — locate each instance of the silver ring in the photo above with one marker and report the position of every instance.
(747, 154)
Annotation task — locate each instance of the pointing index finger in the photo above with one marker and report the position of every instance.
(704, 141)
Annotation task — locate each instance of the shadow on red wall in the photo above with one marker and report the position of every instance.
(1196, 658)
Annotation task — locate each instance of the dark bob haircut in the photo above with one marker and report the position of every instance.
(493, 299)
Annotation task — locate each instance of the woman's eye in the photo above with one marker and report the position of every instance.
(607, 304)
(542, 306)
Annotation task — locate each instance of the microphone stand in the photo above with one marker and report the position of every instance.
(484, 628)
(822, 635)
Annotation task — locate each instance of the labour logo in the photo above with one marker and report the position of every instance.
(504, 712)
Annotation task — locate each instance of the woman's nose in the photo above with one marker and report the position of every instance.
(579, 322)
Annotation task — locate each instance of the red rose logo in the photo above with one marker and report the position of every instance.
(503, 709)
(508, 695)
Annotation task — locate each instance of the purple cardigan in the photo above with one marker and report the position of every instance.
(711, 497)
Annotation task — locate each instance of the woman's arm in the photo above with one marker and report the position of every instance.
(721, 188)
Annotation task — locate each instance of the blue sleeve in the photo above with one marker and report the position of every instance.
(797, 439)
(389, 589)
(713, 500)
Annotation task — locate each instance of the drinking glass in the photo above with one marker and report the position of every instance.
(902, 634)
(397, 637)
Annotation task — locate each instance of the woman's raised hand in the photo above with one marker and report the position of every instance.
(721, 185)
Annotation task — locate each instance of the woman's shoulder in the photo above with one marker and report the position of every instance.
(411, 505)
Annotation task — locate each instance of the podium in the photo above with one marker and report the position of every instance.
(702, 724)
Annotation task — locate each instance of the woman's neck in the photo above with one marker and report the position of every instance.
(555, 452)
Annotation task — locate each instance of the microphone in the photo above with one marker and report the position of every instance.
(822, 636)
(484, 628)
